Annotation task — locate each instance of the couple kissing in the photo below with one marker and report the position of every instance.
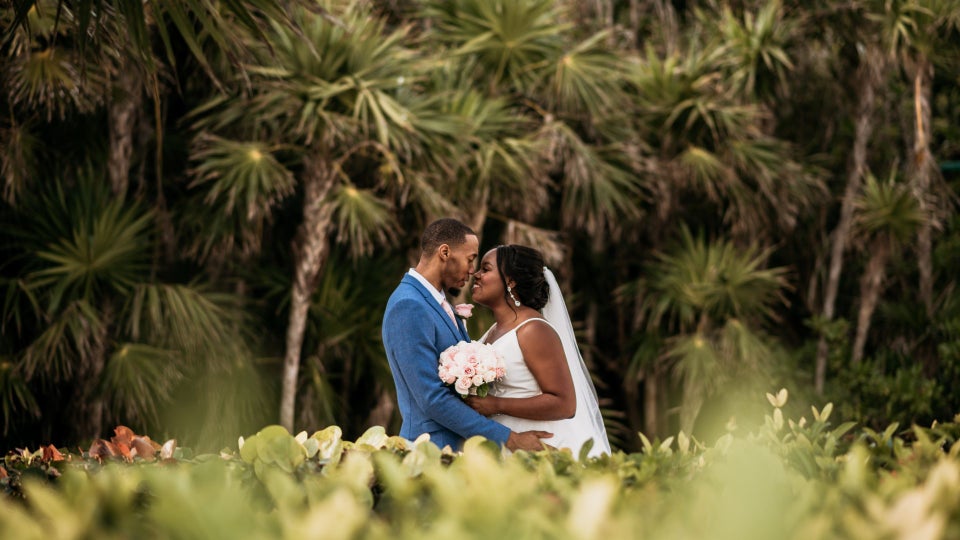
(545, 397)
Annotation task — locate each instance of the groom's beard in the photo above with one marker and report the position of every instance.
(453, 291)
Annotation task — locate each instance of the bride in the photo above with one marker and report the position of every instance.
(547, 386)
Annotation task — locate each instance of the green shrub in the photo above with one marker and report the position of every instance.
(790, 478)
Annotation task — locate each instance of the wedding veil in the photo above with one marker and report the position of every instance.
(588, 418)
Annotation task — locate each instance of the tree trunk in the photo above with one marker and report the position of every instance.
(651, 409)
(635, 23)
(310, 251)
(922, 166)
(478, 217)
(383, 411)
(88, 402)
(869, 75)
(870, 286)
(693, 398)
(125, 101)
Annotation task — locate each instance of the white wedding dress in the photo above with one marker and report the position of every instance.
(519, 382)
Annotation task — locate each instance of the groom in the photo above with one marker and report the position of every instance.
(419, 324)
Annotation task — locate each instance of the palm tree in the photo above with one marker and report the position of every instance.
(344, 95)
(916, 35)
(63, 65)
(757, 47)
(708, 145)
(708, 142)
(887, 216)
(564, 90)
(713, 299)
(86, 313)
(191, 19)
(897, 30)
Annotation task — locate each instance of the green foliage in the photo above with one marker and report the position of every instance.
(787, 479)
(595, 130)
(886, 387)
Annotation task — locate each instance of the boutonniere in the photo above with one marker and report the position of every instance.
(465, 311)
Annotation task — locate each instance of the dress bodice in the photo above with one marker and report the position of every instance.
(518, 382)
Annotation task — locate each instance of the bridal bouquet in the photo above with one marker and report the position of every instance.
(471, 367)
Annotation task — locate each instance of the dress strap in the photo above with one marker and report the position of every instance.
(519, 326)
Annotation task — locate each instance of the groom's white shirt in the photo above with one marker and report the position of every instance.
(437, 295)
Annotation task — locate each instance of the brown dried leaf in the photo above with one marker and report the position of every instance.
(143, 447)
(3, 473)
(103, 449)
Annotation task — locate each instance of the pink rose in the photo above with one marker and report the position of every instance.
(465, 311)
(463, 386)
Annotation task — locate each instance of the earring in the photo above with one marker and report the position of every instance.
(512, 297)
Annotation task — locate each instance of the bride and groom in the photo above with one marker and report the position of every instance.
(546, 396)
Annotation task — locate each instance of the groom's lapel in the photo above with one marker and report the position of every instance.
(462, 327)
(428, 298)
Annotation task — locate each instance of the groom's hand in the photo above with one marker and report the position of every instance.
(527, 440)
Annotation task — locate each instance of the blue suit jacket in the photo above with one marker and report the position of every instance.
(416, 330)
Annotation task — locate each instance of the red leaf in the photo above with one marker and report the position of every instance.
(124, 451)
(50, 453)
(3, 473)
(122, 435)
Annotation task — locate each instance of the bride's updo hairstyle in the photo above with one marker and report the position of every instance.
(524, 266)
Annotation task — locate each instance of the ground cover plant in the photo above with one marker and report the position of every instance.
(789, 478)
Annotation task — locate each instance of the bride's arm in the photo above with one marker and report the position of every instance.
(543, 354)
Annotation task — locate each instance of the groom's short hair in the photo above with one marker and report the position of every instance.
(444, 231)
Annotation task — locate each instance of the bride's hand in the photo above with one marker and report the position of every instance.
(487, 406)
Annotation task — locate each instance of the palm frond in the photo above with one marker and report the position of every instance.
(509, 38)
(48, 80)
(18, 154)
(43, 73)
(137, 380)
(589, 79)
(421, 189)
(16, 399)
(706, 173)
(362, 220)
(901, 23)
(712, 279)
(193, 21)
(238, 185)
(548, 242)
(492, 157)
(200, 323)
(696, 360)
(597, 193)
(888, 209)
(337, 76)
(19, 303)
(70, 340)
(743, 348)
(757, 48)
(107, 251)
(243, 177)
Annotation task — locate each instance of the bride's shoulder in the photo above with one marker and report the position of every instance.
(535, 327)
